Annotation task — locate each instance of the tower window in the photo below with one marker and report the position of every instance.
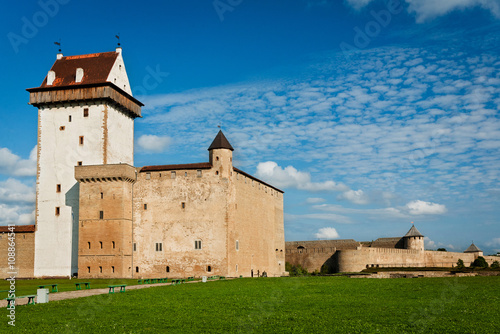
(101, 214)
(100, 269)
(88, 243)
(80, 163)
(209, 268)
(217, 172)
(183, 205)
(135, 247)
(69, 118)
(136, 269)
(58, 211)
(159, 246)
(185, 173)
(112, 269)
(198, 173)
(88, 270)
(113, 244)
(237, 245)
(172, 175)
(85, 112)
(217, 158)
(58, 188)
(61, 128)
(81, 140)
(168, 269)
(100, 244)
(145, 206)
(197, 244)
(148, 176)
(102, 195)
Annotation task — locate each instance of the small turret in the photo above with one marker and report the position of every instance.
(414, 239)
(221, 155)
(474, 249)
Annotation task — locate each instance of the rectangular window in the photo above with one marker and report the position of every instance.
(159, 246)
(145, 206)
(100, 244)
(88, 244)
(58, 188)
(136, 269)
(88, 270)
(102, 195)
(81, 140)
(61, 128)
(69, 118)
(85, 112)
(197, 244)
(101, 214)
(113, 244)
(172, 175)
(198, 173)
(237, 245)
(185, 173)
(80, 163)
(135, 247)
(100, 269)
(183, 205)
(58, 211)
(112, 269)
(148, 176)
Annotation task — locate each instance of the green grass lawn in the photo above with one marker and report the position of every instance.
(279, 305)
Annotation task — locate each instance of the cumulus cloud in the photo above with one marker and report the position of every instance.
(429, 9)
(290, 177)
(315, 200)
(13, 165)
(153, 143)
(354, 196)
(327, 233)
(425, 208)
(14, 191)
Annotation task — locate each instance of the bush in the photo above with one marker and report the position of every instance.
(441, 250)
(295, 270)
(460, 264)
(495, 265)
(480, 262)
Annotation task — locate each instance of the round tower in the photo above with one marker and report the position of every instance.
(414, 239)
(221, 156)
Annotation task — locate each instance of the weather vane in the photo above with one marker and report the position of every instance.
(118, 38)
(58, 44)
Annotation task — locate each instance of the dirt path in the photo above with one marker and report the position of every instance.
(85, 293)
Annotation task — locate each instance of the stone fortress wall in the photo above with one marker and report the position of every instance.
(24, 253)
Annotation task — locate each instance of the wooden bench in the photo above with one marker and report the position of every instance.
(191, 278)
(31, 299)
(222, 277)
(147, 281)
(79, 285)
(54, 287)
(176, 281)
(153, 280)
(112, 288)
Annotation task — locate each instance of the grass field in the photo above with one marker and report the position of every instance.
(279, 305)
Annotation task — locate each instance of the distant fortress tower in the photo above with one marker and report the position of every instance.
(414, 239)
(86, 115)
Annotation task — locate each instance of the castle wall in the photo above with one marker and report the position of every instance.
(181, 209)
(258, 227)
(24, 252)
(357, 260)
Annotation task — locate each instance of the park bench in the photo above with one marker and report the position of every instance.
(191, 278)
(79, 285)
(222, 277)
(176, 281)
(112, 288)
(153, 280)
(54, 287)
(31, 299)
(139, 281)
(147, 281)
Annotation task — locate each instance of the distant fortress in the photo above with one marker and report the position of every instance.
(348, 255)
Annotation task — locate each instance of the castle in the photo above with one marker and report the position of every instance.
(98, 216)
(348, 255)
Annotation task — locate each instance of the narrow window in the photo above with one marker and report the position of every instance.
(168, 269)
(120, 67)
(100, 269)
(237, 245)
(88, 270)
(183, 205)
(113, 244)
(159, 246)
(58, 211)
(88, 244)
(100, 244)
(209, 268)
(148, 176)
(80, 163)
(136, 269)
(217, 158)
(217, 172)
(198, 173)
(58, 188)
(102, 195)
(112, 269)
(145, 206)
(236, 268)
(101, 214)
(61, 128)
(197, 244)
(85, 112)
(69, 118)
(185, 173)
(81, 140)
(172, 175)
(135, 246)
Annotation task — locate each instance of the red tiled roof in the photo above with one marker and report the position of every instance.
(96, 68)
(18, 228)
(201, 165)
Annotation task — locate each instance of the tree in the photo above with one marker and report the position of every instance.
(442, 250)
(495, 265)
(460, 264)
(480, 262)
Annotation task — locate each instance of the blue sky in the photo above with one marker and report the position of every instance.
(369, 114)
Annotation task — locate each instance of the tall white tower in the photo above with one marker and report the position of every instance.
(86, 115)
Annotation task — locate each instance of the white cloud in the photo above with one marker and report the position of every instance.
(153, 143)
(425, 208)
(327, 233)
(14, 191)
(12, 165)
(315, 200)
(290, 177)
(354, 196)
(429, 244)
(429, 9)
